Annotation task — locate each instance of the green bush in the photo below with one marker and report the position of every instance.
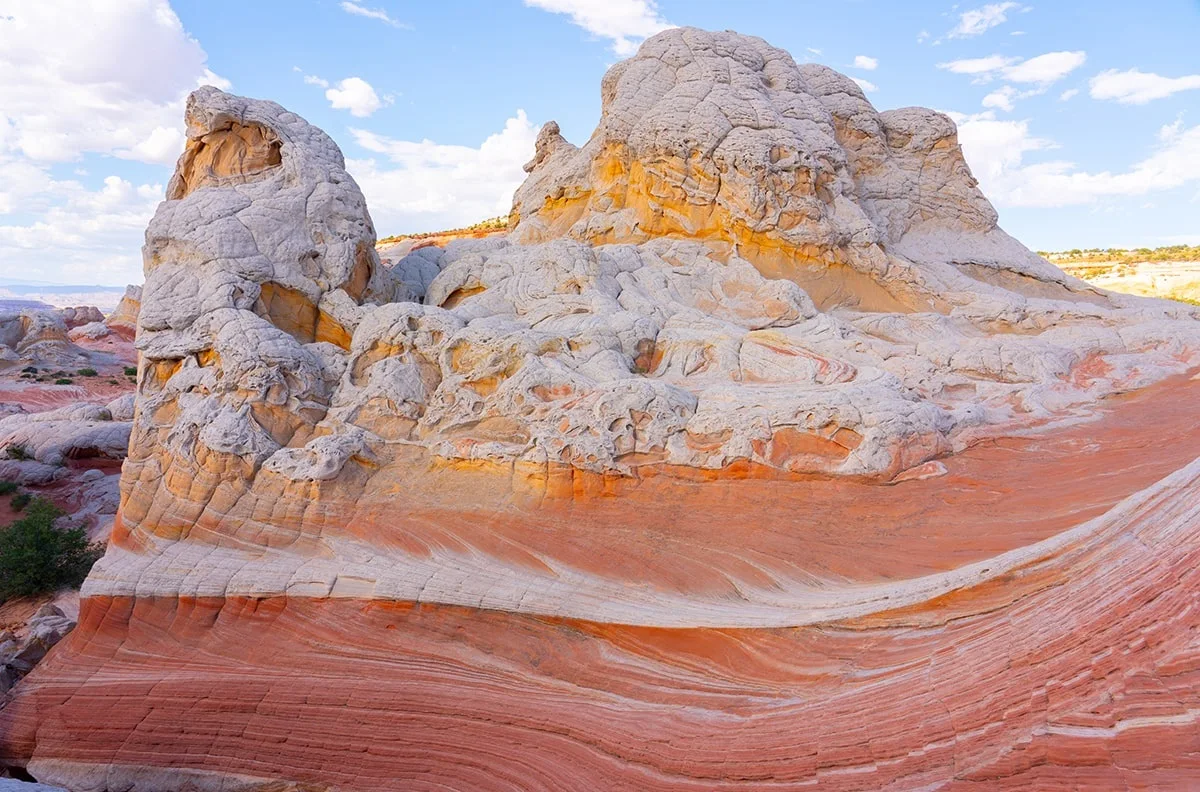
(64, 381)
(8, 487)
(20, 501)
(131, 371)
(87, 372)
(36, 557)
(17, 451)
(29, 370)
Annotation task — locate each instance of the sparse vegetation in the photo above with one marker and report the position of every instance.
(87, 372)
(64, 381)
(491, 225)
(20, 501)
(17, 452)
(8, 487)
(1077, 256)
(36, 557)
(131, 371)
(29, 370)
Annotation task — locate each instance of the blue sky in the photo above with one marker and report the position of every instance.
(1081, 121)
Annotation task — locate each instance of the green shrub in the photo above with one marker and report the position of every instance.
(17, 451)
(131, 371)
(87, 372)
(36, 557)
(20, 501)
(8, 487)
(64, 381)
(29, 370)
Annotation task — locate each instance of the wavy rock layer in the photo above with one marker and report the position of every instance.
(755, 455)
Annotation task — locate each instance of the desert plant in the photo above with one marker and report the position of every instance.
(8, 487)
(20, 501)
(64, 381)
(29, 370)
(87, 372)
(17, 452)
(131, 371)
(36, 557)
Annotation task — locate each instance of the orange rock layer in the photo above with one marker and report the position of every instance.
(1077, 669)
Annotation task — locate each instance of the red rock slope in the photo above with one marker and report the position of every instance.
(613, 502)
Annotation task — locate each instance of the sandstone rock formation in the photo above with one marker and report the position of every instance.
(755, 456)
(123, 319)
(20, 653)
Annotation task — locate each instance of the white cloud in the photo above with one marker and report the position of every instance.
(1138, 87)
(379, 14)
(79, 235)
(67, 89)
(995, 151)
(312, 79)
(426, 186)
(1068, 94)
(625, 22)
(813, 50)
(866, 62)
(923, 36)
(1043, 70)
(83, 89)
(1168, 132)
(978, 66)
(1001, 98)
(866, 85)
(356, 95)
(980, 20)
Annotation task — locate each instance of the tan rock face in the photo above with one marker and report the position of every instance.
(723, 138)
(123, 319)
(730, 466)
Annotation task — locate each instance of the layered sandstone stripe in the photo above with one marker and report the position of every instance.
(1078, 670)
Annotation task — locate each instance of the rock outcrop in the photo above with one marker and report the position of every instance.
(20, 653)
(738, 463)
(123, 319)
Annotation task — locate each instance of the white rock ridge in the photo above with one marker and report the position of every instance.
(746, 263)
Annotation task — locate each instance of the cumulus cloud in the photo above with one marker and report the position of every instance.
(77, 235)
(354, 94)
(625, 22)
(73, 91)
(978, 21)
(1137, 87)
(866, 62)
(996, 151)
(1068, 94)
(1043, 70)
(70, 89)
(1001, 98)
(378, 14)
(866, 85)
(423, 185)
